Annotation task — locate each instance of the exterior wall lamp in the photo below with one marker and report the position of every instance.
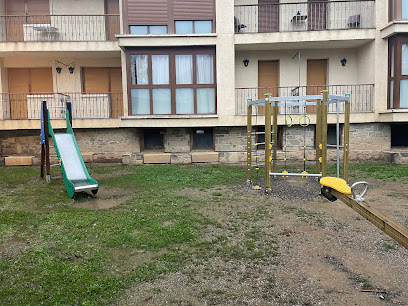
(71, 67)
(343, 62)
(246, 62)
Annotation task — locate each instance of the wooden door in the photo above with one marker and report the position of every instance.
(23, 81)
(25, 12)
(317, 14)
(14, 25)
(112, 22)
(268, 16)
(116, 92)
(19, 86)
(268, 80)
(316, 79)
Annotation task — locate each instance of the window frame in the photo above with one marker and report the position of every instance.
(397, 41)
(148, 28)
(171, 52)
(192, 132)
(142, 140)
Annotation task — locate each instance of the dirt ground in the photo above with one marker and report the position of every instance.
(314, 252)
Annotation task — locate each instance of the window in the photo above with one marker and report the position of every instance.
(152, 140)
(168, 82)
(397, 10)
(190, 27)
(398, 72)
(332, 134)
(399, 133)
(202, 139)
(146, 29)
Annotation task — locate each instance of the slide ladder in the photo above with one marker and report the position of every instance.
(74, 172)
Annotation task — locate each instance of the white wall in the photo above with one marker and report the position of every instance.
(288, 74)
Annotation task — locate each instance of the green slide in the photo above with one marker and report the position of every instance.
(76, 176)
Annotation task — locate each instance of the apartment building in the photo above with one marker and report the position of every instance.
(167, 81)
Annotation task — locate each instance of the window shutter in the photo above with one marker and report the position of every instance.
(147, 12)
(194, 9)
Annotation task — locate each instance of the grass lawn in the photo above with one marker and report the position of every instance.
(54, 253)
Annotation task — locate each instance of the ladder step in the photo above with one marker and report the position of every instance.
(257, 154)
(258, 165)
(259, 133)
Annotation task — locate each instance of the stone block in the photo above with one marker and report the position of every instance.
(18, 160)
(132, 159)
(87, 157)
(234, 157)
(204, 157)
(156, 158)
(180, 158)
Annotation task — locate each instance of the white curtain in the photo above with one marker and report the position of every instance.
(205, 69)
(404, 59)
(184, 69)
(161, 101)
(184, 100)
(206, 100)
(140, 101)
(392, 61)
(160, 68)
(391, 94)
(139, 71)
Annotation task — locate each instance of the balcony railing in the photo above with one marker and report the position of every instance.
(22, 106)
(305, 16)
(35, 28)
(361, 100)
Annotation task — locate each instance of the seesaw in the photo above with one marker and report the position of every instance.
(334, 188)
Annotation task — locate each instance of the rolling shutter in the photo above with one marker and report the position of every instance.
(194, 9)
(146, 12)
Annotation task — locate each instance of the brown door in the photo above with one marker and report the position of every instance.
(23, 81)
(14, 25)
(268, 80)
(316, 79)
(112, 22)
(105, 80)
(268, 16)
(317, 14)
(116, 92)
(25, 12)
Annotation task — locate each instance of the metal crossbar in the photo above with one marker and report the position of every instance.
(295, 174)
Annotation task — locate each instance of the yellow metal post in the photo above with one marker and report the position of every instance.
(275, 136)
(318, 134)
(268, 147)
(346, 141)
(249, 144)
(324, 132)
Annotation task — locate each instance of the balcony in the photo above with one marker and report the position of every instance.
(305, 16)
(361, 99)
(46, 28)
(21, 106)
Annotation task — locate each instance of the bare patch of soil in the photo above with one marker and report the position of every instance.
(291, 248)
(105, 198)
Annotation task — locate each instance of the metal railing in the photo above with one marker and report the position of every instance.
(20, 106)
(361, 99)
(36, 28)
(305, 16)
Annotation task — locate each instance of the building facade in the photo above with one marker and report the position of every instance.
(167, 81)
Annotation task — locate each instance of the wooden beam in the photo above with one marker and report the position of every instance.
(388, 225)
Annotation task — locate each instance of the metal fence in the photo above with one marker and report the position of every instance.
(22, 106)
(59, 28)
(361, 99)
(305, 16)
